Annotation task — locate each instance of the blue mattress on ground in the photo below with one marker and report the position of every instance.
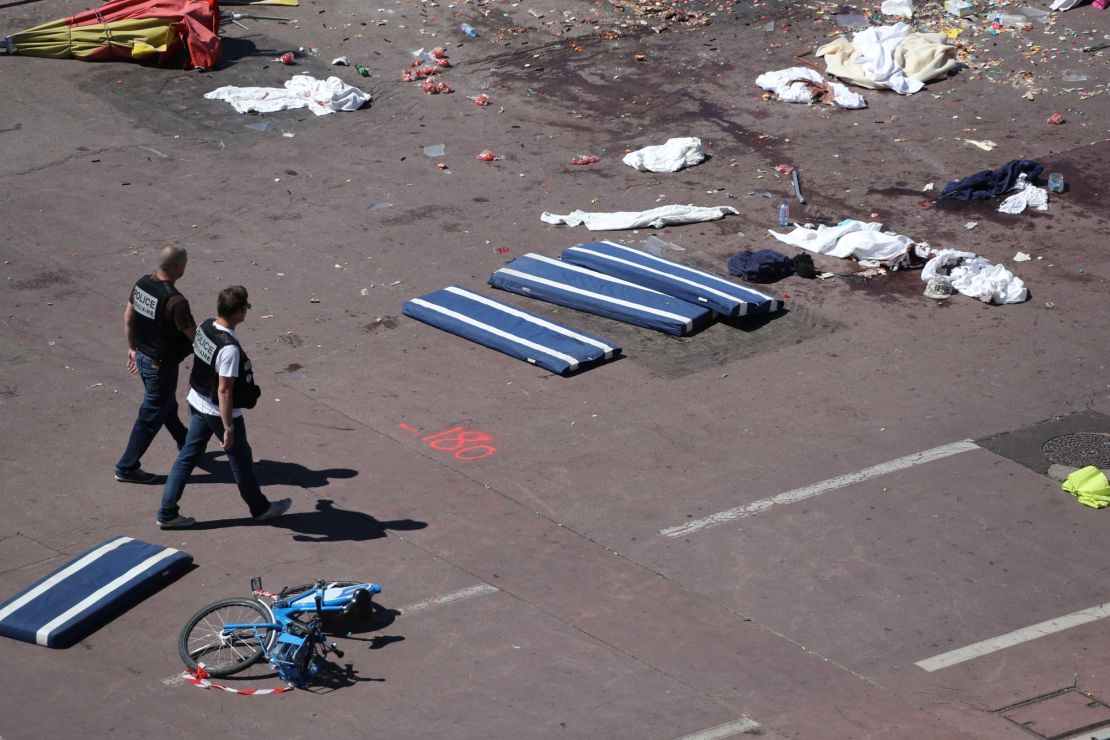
(576, 287)
(510, 330)
(89, 590)
(695, 286)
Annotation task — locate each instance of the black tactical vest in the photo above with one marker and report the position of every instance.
(204, 379)
(154, 333)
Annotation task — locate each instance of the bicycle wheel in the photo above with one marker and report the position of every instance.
(202, 638)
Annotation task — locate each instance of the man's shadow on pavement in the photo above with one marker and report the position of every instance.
(326, 524)
(268, 473)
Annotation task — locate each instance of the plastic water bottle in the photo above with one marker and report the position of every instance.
(784, 213)
(362, 70)
(468, 29)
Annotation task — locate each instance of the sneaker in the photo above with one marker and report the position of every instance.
(277, 508)
(178, 522)
(138, 475)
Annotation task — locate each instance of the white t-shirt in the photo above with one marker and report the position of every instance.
(227, 366)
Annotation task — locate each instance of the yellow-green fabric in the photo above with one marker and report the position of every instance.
(135, 37)
(1090, 486)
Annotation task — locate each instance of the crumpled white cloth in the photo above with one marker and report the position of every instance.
(876, 46)
(656, 218)
(976, 277)
(1065, 4)
(788, 86)
(903, 8)
(320, 96)
(849, 238)
(1027, 195)
(670, 157)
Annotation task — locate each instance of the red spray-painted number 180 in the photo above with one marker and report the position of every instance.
(464, 443)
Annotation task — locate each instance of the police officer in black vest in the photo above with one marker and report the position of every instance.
(160, 330)
(221, 385)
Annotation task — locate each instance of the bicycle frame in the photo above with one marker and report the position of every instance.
(293, 654)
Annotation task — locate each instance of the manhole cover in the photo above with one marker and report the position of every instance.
(1059, 715)
(1079, 450)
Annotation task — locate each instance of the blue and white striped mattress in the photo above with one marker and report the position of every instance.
(576, 287)
(698, 287)
(508, 329)
(89, 590)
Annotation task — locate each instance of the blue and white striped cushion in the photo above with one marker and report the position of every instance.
(72, 601)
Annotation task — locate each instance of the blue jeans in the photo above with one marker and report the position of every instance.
(159, 408)
(201, 428)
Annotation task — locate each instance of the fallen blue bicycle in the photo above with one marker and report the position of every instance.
(230, 635)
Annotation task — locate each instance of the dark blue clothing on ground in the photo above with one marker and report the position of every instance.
(991, 183)
(159, 408)
(764, 266)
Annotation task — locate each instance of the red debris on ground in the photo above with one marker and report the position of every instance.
(482, 99)
(584, 159)
(487, 156)
(1055, 119)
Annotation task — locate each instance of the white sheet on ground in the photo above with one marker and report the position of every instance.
(302, 91)
(656, 218)
(1026, 195)
(976, 277)
(889, 57)
(849, 238)
(670, 157)
(790, 86)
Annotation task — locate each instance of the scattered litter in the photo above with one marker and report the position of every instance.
(1056, 182)
(891, 57)
(971, 225)
(804, 85)
(670, 157)
(928, 188)
(1022, 257)
(976, 277)
(313, 300)
(1055, 119)
(986, 145)
(435, 150)
(320, 96)
(783, 169)
(341, 62)
(502, 250)
(468, 30)
(656, 218)
(364, 291)
(486, 155)
(797, 187)
(287, 58)
(288, 134)
(481, 100)
(1074, 77)
(259, 126)
(585, 159)
(378, 206)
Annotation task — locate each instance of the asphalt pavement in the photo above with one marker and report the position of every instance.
(833, 522)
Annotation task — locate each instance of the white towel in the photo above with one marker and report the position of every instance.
(302, 91)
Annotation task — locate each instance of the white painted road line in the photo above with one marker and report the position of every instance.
(466, 593)
(404, 611)
(1025, 634)
(798, 494)
(740, 726)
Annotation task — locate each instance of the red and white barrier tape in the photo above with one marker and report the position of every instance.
(199, 678)
(260, 592)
